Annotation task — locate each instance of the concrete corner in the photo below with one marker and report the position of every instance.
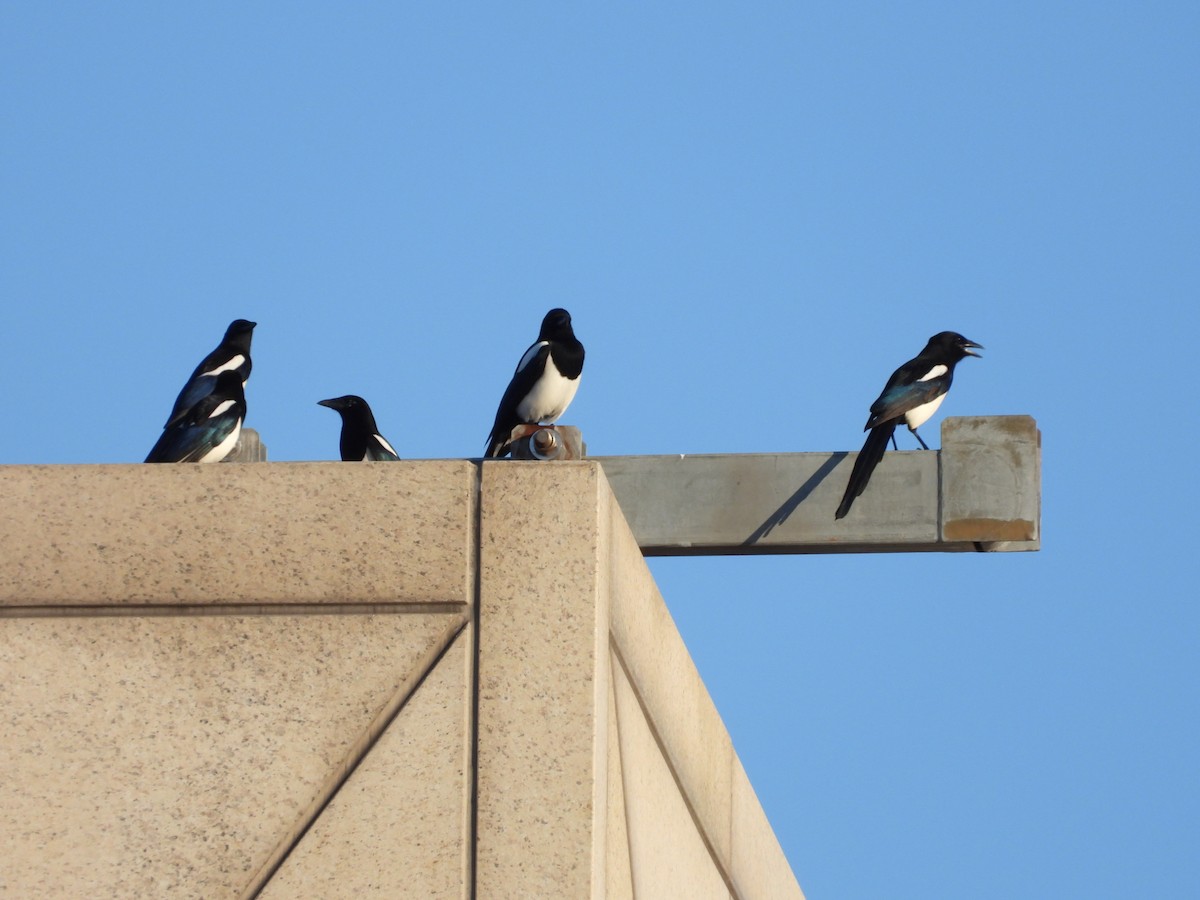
(433, 679)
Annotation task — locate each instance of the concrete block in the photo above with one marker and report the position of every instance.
(981, 491)
(668, 852)
(746, 503)
(542, 683)
(220, 681)
(248, 534)
(249, 448)
(399, 826)
(618, 869)
(669, 688)
(168, 756)
(991, 481)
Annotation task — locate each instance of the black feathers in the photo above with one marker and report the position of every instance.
(361, 439)
(208, 431)
(207, 418)
(911, 395)
(233, 353)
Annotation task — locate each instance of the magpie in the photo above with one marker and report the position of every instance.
(209, 430)
(544, 383)
(912, 395)
(361, 439)
(233, 353)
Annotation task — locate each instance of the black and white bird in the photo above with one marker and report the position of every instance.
(544, 383)
(208, 431)
(232, 354)
(912, 395)
(361, 439)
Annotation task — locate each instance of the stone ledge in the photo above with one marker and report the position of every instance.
(121, 535)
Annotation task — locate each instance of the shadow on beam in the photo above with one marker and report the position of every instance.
(980, 492)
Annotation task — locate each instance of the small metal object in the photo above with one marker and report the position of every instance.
(547, 442)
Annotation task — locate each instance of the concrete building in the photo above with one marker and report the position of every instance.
(416, 679)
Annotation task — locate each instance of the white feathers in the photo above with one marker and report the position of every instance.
(530, 354)
(233, 363)
(223, 449)
(221, 407)
(384, 444)
(918, 415)
(550, 395)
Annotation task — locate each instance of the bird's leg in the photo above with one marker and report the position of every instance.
(895, 446)
(918, 437)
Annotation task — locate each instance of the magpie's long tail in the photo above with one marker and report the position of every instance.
(495, 448)
(498, 439)
(864, 465)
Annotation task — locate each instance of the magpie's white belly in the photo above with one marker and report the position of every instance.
(919, 415)
(550, 397)
(223, 449)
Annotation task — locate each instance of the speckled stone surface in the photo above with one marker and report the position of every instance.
(179, 738)
(568, 608)
(239, 533)
(619, 873)
(167, 756)
(399, 825)
(667, 851)
(652, 650)
(542, 682)
(690, 734)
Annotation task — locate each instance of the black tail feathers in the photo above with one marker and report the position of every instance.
(498, 440)
(864, 465)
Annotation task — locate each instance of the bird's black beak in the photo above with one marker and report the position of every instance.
(967, 345)
(332, 404)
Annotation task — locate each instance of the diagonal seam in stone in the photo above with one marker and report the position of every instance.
(620, 765)
(354, 756)
(726, 876)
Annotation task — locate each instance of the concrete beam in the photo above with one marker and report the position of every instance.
(981, 491)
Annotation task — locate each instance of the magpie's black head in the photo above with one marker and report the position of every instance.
(556, 326)
(350, 401)
(953, 345)
(239, 326)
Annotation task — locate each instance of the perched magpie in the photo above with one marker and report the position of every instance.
(912, 395)
(361, 439)
(233, 353)
(544, 383)
(209, 430)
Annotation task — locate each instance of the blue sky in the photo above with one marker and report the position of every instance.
(754, 213)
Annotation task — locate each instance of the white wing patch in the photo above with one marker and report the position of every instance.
(384, 444)
(530, 354)
(221, 407)
(226, 367)
(935, 372)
